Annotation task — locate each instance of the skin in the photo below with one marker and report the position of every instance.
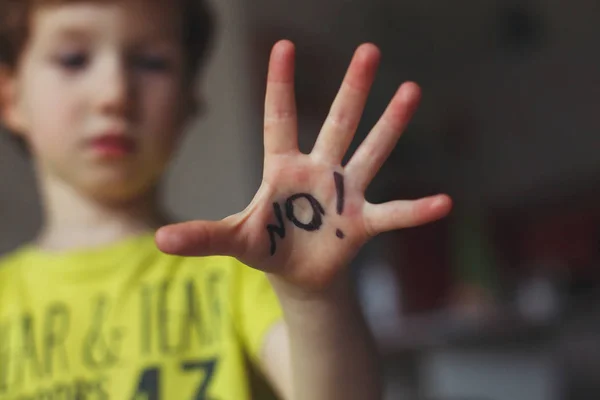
(90, 199)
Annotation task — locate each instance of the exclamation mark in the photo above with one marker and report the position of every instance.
(339, 188)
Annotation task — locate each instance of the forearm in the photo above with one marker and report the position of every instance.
(333, 355)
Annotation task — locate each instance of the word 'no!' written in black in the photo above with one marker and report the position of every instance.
(318, 212)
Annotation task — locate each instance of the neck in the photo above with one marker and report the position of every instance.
(74, 220)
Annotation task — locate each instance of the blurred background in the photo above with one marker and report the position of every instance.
(501, 300)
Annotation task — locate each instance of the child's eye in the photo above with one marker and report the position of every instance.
(151, 63)
(73, 61)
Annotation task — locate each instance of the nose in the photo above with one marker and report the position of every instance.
(113, 89)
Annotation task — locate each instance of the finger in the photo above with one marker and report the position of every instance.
(376, 148)
(401, 214)
(347, 108)
(201, 238)
(280, 123)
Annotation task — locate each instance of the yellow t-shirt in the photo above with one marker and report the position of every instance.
(129, 322)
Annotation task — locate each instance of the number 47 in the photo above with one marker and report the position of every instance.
(149, 383)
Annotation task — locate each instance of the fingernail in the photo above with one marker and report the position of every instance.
(437, 202)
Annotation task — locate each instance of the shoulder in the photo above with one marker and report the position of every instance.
(13, 258)
(11, 262)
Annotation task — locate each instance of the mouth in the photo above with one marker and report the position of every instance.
(113, 146)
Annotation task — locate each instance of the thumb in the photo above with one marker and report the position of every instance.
(201, 238)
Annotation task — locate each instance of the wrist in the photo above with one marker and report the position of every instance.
(336, 297)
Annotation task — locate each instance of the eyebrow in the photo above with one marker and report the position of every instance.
(72, 33)
(84, 34)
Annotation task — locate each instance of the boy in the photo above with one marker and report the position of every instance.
(101, 305)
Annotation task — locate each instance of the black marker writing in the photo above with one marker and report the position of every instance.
(317, 217)
(318, 210)
(279, 229)
(339, 189)
(276, 229)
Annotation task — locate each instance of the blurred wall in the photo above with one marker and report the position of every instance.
(19, 212)
(535, 109)
(220, 164)
(521, 91)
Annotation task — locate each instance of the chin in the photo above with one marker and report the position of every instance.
(117, 190)
(112, 183)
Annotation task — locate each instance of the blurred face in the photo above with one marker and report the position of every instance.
(99, 95)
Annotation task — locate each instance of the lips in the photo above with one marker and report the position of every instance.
(113, 146)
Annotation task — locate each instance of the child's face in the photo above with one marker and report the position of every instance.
(99, 95)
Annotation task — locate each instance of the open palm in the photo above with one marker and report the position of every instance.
(309, 216)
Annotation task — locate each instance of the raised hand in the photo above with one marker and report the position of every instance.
(309, 216)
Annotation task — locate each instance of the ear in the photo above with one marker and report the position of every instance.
(9, 102)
